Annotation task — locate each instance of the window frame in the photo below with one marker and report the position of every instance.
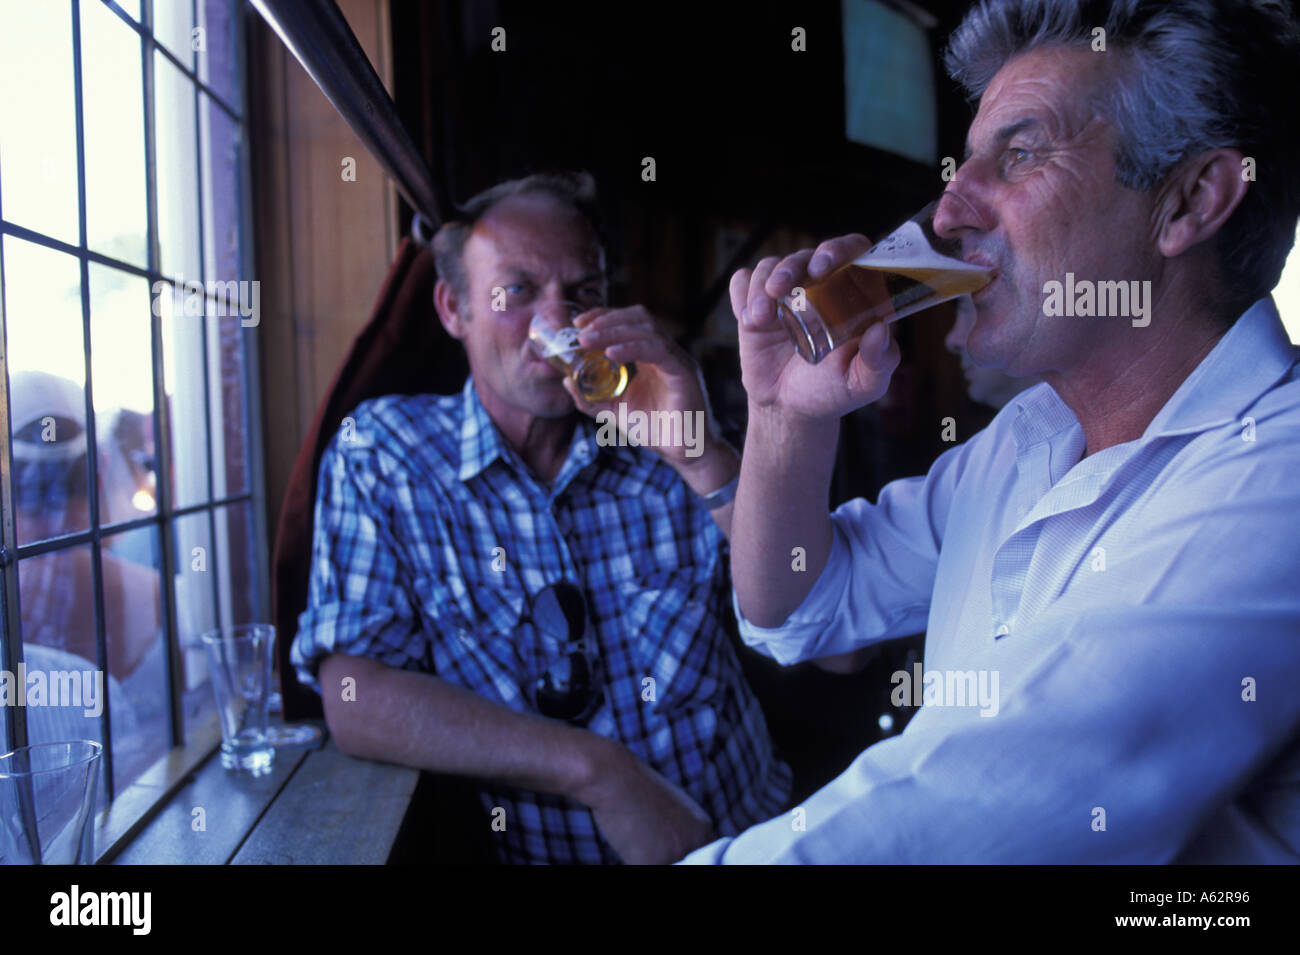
(126, 811)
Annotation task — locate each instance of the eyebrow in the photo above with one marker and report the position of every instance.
(1006, 132)
(520, 272)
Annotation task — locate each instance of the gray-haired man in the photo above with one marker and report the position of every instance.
(1107, 574)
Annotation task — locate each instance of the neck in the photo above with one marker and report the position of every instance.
(542, 443)
(1132, 373)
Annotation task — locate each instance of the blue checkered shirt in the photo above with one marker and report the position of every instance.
(431, 538)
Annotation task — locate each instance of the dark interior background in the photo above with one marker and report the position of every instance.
(751, 159)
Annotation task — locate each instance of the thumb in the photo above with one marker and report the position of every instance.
(580, 402)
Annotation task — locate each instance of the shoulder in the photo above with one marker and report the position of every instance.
(398, 421)
(400, 427)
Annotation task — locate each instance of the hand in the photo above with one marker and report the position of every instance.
(773, 373)
(645, 818)
(667, 379)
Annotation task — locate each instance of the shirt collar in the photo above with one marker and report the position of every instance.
(481, 442)
(1249, 359)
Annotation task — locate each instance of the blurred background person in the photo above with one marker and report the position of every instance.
(52, 499)
(988, 386)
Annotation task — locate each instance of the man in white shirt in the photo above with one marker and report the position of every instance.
(1109, 574)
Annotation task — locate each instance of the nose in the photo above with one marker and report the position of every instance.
(956, 214)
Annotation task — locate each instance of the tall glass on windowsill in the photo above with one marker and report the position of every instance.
(239, 658)
(909, 270)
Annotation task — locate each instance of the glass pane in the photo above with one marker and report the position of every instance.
(38, 118)
(123, 383)
(182, 332)
(116, 215)
(218, 64)
(178, 171)
(47, 404)
(223, 145)
(228, 381)
(137, 653)
(173, 21)
(195, 611)
(131, 7)
(57, 594)
(239, 583)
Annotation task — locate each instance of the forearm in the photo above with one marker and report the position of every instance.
(781, 505)
(415, 719)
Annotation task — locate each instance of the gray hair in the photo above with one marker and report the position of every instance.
(574, 189)
(1197, 75)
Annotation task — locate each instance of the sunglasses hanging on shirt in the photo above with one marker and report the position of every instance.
(565, 681)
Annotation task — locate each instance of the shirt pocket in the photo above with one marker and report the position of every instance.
(673, 620)
(474, 636)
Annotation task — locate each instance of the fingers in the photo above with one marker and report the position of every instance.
(788, 273)
(833, 253)
(739, 292)
(760, 308)
(651, 351)
(872, 364)
(774, 278)
(628, 335)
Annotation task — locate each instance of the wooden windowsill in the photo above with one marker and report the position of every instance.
(316, 807)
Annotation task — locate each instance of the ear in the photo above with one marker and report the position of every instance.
(449, 309)
(1199, 198)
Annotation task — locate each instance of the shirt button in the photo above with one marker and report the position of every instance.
(1001, 632)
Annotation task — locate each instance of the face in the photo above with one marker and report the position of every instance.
(1036, 198)
(537, 251)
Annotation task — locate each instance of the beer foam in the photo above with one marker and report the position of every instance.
(907, 247)
(562, 344)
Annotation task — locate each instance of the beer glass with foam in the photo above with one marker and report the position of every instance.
(907, 271)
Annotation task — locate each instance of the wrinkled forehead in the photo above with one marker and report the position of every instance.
(537, 234)
(1058, 90)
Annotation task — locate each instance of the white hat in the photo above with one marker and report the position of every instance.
(34, 395)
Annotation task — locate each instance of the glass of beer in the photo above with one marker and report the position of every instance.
(553, 336)
(907, 271)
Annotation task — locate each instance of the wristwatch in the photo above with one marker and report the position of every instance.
(722, 496)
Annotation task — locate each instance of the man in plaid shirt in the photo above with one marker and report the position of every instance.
(449, 529)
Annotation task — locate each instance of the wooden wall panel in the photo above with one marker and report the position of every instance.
(323, 244)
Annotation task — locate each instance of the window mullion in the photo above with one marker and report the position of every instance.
(92, 454)
(161, 422)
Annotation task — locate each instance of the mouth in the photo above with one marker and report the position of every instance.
(982, 292)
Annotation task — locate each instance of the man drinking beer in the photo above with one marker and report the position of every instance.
(1115, 557)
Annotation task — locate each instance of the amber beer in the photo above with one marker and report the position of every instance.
(906, 272)
(597, 378)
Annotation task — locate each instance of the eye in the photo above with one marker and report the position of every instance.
(591, 295)
(1015, 156)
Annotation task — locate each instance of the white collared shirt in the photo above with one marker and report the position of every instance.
(1128, 626)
